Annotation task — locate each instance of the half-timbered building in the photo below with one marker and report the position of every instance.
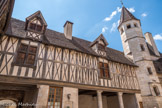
(43, 68)
(6, 7)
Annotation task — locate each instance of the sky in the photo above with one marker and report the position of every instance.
(93, 17)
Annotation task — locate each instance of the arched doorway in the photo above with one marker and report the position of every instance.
(8, 104)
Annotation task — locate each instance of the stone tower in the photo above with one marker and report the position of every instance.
(136, 49)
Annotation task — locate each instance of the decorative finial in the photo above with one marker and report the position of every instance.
(122, 2)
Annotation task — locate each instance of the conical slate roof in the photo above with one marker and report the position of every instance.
(126, 16)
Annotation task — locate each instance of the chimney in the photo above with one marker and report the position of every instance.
(68, 26)
(151, 42)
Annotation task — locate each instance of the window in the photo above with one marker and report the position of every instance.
(156, 90)
(149, 70)
(142, 47)
(35, 27)
(39, 28)
(32, 26)
(159, 69)
(26, 55)
(122, 31)
(135, 25)
(55, 97)
(104, 70)
(101, 47)
(128, 26)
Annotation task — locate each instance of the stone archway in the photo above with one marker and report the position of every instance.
(8, 97)
(8, 104)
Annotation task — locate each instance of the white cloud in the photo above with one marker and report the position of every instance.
(118, 10)
(144, 15)
(132, 10)
(113, 28)
(158, 37)
(104, 29)
(113, 14)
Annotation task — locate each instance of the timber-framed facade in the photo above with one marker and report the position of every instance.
(34, 59)
(42, 68)
(6, 8)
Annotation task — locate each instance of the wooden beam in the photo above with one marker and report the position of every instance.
(33, 81)
(87, 92)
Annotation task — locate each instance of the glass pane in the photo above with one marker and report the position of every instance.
(105, 65)
(32, 26)
(55, 97)
(101, 65)
(23, 47)
(101, 47)
(39, 28)
(20, 58)
(101, 72)
(30, 59)
(32, 49)
(106, 73)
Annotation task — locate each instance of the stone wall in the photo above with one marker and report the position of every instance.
(72, 101)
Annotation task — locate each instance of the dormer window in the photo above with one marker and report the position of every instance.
(39, 28)
(32, 26)
(35, 27)
(101, 47)
(128, 26)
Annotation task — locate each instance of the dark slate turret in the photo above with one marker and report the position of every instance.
(126, 16)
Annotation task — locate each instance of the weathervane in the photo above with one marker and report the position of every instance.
(121, 2)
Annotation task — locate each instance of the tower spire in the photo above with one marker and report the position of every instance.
(126, 15)
(122, 2)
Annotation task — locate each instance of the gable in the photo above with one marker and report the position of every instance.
(100, 40)
(34, 20)
(37, 15)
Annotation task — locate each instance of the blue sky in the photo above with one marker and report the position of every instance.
(93, 17)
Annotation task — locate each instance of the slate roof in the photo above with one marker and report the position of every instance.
(126, 16)
(17, 29)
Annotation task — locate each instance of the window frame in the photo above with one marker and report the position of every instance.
(122, 31)
(142, 47)
(156, 90)
(27, 53)
(103, 75)
(61, 96)
(135, 25)
(149, 70)
(159, 69)
(101, 47)
(36, 27)
(129, 26)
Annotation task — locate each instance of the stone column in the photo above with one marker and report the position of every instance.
(42, 97)
(99, 99)
(120, 98)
